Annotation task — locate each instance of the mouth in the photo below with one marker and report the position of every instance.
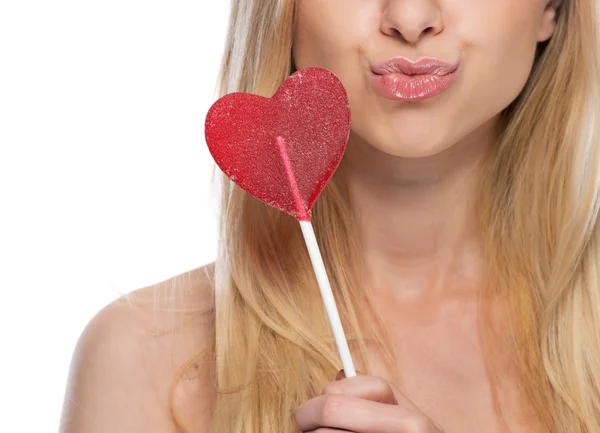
(399, 79)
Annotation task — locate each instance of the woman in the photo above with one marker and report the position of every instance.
(460, 234)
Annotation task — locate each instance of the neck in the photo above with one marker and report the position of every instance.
(416, 216)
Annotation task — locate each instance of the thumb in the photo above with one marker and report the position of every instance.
(401, 398)
(342, 375)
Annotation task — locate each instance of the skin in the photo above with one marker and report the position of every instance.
(412, 181)
(126, 358)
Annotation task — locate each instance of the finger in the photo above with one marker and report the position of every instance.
(396, 397)
(342, 374)
(367, 387)
(328, 430)
(399, 396)
(358, 415)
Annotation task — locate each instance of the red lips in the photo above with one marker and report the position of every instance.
(425, 65)
(399, 79)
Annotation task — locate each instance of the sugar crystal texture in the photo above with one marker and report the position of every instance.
(310, 113)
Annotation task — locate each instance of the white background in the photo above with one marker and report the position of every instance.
(104, 173)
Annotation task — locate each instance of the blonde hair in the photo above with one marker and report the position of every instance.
(539, 199)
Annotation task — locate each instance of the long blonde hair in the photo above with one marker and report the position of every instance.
(539, 199)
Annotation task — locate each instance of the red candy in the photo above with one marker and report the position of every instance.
(283, 150)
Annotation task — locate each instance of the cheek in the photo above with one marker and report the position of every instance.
(329, 33)
(499, 54)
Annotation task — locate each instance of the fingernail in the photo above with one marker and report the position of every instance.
(340, 375)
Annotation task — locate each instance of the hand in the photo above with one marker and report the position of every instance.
(362, 404)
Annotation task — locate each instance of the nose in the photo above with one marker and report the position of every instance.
(411, 20)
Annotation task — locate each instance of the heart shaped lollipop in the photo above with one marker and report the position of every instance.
(283, 150)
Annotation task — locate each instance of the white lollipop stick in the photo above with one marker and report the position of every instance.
(319, 268)
(328, 299)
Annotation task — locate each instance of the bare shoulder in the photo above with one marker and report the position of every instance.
(124, 368)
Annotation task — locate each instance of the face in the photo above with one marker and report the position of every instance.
(475, 58)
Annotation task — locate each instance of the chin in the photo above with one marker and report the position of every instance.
(408, 142)
(410, 150)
